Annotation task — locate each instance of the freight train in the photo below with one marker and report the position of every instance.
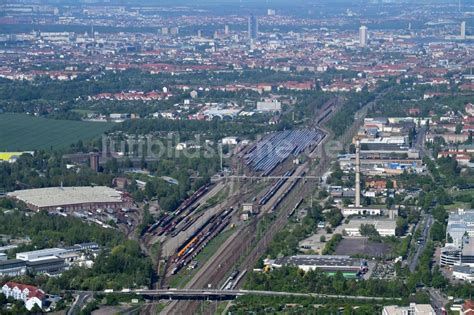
(286, 192)
(272, 191)
(167, 223)
(199, 239)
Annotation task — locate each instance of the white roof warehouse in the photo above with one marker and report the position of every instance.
(70, 198)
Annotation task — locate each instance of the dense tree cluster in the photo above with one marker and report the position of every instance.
(49, 231)
(343, 119)
(331, 246)
(285, 305)
(124, 266)
(119, 265)
(400, 99)
(181, 168)
(291, 279)
(45, 170)
(368, 230)
(285, 242)
(215, 129)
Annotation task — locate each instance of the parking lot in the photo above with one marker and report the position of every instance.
(361, 245)
(384, 271)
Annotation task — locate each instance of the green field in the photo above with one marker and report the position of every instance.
(23, 132)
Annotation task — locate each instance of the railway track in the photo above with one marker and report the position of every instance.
(198, 240)
(244, 242)
(217, 267)
(168, 223)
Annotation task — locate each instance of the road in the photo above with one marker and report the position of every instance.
(420, 141)
(427, 221)
(437, 300)
(79, 303)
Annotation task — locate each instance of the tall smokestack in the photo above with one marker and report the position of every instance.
(357, 169)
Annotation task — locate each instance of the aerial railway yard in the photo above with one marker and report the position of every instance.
(169, 223)
(240, 252)
(183, 227)
(242, 249)
(184, 233)
(287, 188)
(199, 239)
(216, 222)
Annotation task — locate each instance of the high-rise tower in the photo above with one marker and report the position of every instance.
(253, 27)
(363, 36)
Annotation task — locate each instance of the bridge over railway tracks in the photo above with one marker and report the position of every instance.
(209, 294)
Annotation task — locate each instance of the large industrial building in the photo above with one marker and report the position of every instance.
(379, 163)
(50, 261)
(413, 309)
(52, 266)
(42, 253)
(12, 268)
(385, 147)
(463, 272)
(17, 267)
(461, 259)
(71, 198)
(269, 105)
(467, 252)
(57, 251)
(450, 255)
(459, 224)
(459, 253)
(385, 227)
(351, 210)
(350, 267)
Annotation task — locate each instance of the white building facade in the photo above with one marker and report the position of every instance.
(29, 294)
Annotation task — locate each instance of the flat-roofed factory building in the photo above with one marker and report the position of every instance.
(329, 264)
(71, 198)
(385, 227)
(12, 268)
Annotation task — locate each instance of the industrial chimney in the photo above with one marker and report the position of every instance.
(357, 179)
